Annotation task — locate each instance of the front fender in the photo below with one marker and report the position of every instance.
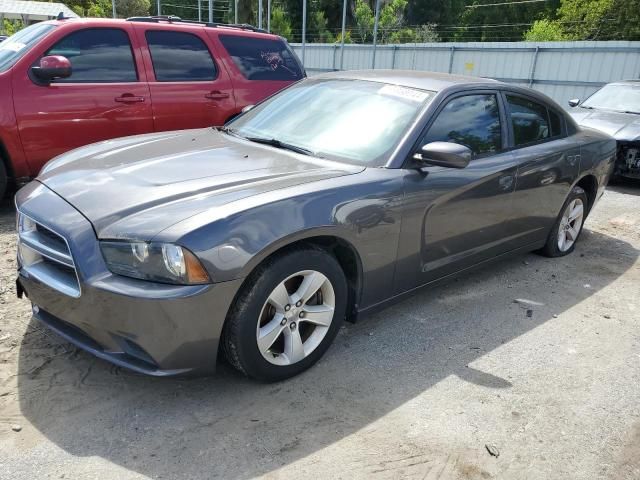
(363, 213)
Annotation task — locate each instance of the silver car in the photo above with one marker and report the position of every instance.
(615, 109)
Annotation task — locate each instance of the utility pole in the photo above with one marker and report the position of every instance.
(210, 11)
(113, 7)
(344, 28)
(375, 34)
(259, 13)
(304, 27)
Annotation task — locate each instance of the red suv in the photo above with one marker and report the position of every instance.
(68, 83)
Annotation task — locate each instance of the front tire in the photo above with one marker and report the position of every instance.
(286, 315)
(565, 232)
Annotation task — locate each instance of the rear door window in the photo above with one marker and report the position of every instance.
(180, 57)
(262, 58)
(97, 55)
(529, 120)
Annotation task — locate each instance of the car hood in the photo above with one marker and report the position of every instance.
(622, 126)
(136, 187)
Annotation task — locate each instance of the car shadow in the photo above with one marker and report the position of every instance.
(234, 428)
(626, 186)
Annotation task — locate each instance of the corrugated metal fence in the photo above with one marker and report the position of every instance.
(562, 70)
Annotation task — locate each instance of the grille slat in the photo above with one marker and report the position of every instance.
(45, 255)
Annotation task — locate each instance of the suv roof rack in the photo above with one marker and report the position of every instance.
(174, 19)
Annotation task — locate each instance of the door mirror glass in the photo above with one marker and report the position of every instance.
(52, 67)
(574, 102)
(247, 108)
(444, 154)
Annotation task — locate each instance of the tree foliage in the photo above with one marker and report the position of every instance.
(406, 21)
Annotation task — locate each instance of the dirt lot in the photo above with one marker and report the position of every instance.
(551, 383)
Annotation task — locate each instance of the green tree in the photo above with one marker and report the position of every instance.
(132, 8)
(545, 31)
(280, 24)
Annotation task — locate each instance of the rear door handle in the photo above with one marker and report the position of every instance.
(129, 98)
(216, 95)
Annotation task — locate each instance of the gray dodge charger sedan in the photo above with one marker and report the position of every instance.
(331, 199)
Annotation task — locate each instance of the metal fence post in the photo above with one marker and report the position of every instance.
(259, 13)
(304, 28)
(235, 12)
(375, 34)
(199, 10)
(210, 11)
(159, 13)
(393, 57)
(113, 7)
(269, 16)
(534, 61)
(453, 51)
(344, 27)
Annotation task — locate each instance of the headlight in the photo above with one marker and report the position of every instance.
(158, 262)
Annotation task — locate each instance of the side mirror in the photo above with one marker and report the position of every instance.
(444, 154)
(247, 108)
(52, 67)
(574, 102)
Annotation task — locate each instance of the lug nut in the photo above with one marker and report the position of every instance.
(292, 326)
(301, 315)
(287, 308)
(283, 322)
(299, 303)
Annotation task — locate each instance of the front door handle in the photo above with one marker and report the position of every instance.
(129, 98)
(216, 95)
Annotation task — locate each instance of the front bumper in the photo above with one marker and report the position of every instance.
(150, 328)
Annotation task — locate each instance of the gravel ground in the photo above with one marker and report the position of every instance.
(422, 390)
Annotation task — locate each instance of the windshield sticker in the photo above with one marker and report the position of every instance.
(13, 46)
(275, 61)
(404, 92)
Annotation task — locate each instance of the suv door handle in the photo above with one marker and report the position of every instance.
(129, 98)
(216, 95)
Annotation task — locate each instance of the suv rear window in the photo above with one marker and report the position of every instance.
(262, 58)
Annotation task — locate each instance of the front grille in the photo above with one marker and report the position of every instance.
(45, 255)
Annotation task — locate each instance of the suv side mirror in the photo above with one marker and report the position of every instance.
(52, 67)
(444, 154)
(247, 108)
(574, 102)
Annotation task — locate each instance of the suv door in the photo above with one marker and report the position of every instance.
(548, 162)
(455, 218)
(105, 97)
(188, 88)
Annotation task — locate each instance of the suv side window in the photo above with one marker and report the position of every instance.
(180, 57)
(262, 58)
(470, 120)
(97, 55)
(529, 120)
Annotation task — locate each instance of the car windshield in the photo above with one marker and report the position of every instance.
(621, 98)
(354, 121)
(14, 47)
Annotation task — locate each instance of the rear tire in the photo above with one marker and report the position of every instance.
(568, 226)
(286, 315)
(3, 179)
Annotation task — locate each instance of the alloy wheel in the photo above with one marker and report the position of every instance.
(295, 318)
(570, 224)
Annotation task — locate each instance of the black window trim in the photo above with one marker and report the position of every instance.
(465, 93)
(54, 82)
(512, 139)
(153, 67)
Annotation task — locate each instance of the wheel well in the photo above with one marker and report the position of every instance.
(347, 257)
(590, 185)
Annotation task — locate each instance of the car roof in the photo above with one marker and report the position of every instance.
(433, 81)
(243, 30)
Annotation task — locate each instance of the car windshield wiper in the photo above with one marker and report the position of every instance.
(279, 144)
